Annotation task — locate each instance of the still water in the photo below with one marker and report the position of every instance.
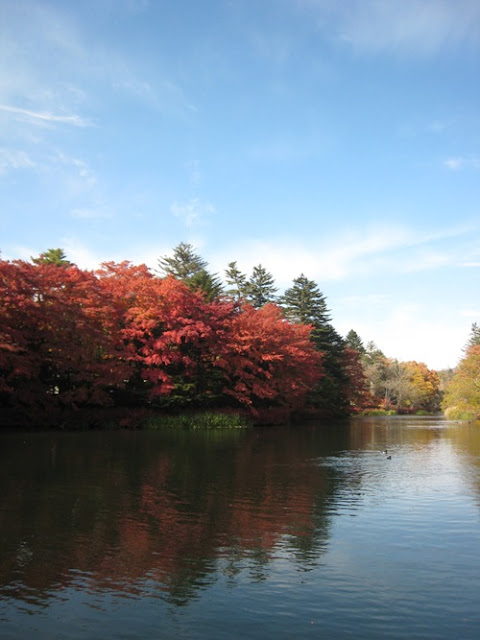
(305, 532)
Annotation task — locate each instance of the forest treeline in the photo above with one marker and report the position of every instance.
(178, 339)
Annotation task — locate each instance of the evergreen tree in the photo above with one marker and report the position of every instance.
(236, 280)
(305, 304)
(261, 288)
(53, 256)
(184, 263)
(190, 268)
(208, 283)
(355, 342)
(373, 355)
(474, 338)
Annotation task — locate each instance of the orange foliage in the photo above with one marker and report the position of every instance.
(269, 359)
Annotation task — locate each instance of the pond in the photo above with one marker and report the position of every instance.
(294, 532)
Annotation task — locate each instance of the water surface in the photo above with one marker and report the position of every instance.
(302, 532)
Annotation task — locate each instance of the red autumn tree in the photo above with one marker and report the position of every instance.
(56, 343)
(171, 335)
(268, 360)
(356, 387)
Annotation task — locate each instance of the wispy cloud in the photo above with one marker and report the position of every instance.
(37, 92)
(46, 117)
(90, 213)
(461, 162)
(410, 27)
(439, 126)
(14, 159)
(454, 163)
(82, 256)
(351, 253)
(193, 211)
(81, 168)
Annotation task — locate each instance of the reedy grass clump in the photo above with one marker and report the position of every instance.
(203, 420)
(379, 412)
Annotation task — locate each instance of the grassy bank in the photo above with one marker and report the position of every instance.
(113, 418)
(201, 420)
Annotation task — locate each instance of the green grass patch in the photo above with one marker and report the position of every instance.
(379, 412)
(204, 420)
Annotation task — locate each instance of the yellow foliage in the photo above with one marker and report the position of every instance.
(463, 391)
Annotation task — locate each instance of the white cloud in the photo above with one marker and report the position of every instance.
(407, 330)
(409, 27)
(90, 213)
(82, 256)
(193, 211)
(36, 92)
(84, 172)
(462, 162)
(46, 117)
(19, 252)
(351, 253)
(440, 125)
(14, 159)
(454, 163)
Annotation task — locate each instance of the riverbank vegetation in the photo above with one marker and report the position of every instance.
(178, 341)
(462, 396)
(394, 386)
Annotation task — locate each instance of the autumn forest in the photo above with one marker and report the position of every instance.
(179, 340)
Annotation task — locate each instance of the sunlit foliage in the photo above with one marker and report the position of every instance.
(462, 397)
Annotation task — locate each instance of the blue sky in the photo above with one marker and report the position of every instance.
(336, 139)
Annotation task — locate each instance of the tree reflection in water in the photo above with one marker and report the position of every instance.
(165, 514)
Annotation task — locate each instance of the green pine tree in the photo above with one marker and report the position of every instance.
(237, 282)
(183, 264)
(354, 341)
(190, 268)
(261, 288)
(304, 303)
(53, 256)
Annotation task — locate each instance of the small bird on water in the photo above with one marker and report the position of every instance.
(389, 457)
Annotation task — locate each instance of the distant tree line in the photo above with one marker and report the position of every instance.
(394, 386)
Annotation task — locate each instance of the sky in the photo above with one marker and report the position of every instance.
(338, 139)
